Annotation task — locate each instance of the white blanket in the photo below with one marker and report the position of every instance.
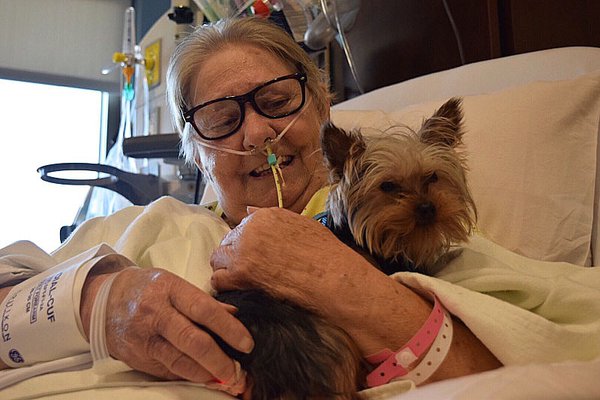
(524, 311)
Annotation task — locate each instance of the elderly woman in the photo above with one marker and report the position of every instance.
(278, 250)
(244, 95)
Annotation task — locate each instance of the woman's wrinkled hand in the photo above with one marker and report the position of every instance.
(151, 326)
(295, 258)
(288, 255)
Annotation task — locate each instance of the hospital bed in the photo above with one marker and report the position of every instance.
(532, 143)
(532, 124)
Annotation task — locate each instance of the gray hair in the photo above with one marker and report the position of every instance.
(206, 40)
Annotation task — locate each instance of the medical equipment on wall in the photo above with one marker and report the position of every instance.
(327, 20)
(134, 85)
(215, 10)
(331, 19)
(123, 179)
(121, 171)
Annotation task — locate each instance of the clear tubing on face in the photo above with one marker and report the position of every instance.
(266, 150)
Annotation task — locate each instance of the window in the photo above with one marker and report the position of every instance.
(39, 125)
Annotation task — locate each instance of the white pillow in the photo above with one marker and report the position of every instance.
(532, 156)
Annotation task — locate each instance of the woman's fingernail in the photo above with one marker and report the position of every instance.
(229, 307)
(246, 345)
(251, 209)
(234, 386)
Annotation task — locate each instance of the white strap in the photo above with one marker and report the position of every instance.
(98, 322)
(98, 358)
(104, 364)
(435, 356)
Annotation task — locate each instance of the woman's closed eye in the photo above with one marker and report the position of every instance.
(274, 104)
(222, 121)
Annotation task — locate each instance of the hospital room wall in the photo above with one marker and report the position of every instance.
(528, 25)
(396, 40)
(64, 42)
(147, 12)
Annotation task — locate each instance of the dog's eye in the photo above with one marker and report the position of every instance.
(432, 178)
(388, 186)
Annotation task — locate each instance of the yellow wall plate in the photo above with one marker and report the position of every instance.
(152, 57)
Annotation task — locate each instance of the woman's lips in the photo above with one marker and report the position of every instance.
(265, 169)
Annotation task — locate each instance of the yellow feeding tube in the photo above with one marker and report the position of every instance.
(277, 174)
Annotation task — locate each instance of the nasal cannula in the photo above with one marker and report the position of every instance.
(267, 150)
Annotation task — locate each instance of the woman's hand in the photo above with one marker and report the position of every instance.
(296, 258)
(286, 254)
(151, 326)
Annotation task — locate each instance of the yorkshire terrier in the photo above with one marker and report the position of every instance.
(402, 200)
(401, 197)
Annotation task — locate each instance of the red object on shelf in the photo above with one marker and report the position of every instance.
(261, 9)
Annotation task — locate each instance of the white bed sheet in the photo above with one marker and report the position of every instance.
(563, 381)
(550, 381)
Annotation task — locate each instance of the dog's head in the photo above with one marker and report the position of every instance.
(402, 193)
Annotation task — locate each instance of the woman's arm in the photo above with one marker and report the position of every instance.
(151, 326)
(296, 258)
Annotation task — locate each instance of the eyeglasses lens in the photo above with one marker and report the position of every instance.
(279, 98)
(218, 118)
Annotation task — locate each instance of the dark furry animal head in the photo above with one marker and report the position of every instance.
(297, 355)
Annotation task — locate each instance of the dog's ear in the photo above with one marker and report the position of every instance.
(445, 125)
(337, 145)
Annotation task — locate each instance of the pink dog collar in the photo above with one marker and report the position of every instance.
(396, 364)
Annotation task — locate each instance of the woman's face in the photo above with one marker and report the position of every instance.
(241, 181)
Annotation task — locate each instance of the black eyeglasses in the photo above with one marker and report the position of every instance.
(220, 118)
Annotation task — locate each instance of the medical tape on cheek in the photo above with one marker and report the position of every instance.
(40, 316)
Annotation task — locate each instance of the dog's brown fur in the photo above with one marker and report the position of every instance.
(402, 195)
(297, 355)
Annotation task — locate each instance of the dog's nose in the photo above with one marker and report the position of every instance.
(425, 213)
